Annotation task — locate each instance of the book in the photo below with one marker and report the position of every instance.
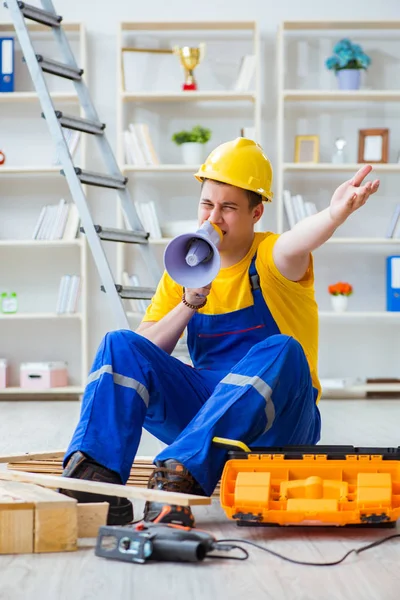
(71, 229)
(287, 202)
(72, 137)
(246, 73)
(393, 229)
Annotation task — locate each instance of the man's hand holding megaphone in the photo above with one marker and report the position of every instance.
(197, 296)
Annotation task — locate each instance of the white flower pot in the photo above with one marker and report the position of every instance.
(192, 153)
(339, 303)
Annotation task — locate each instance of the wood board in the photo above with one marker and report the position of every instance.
(107, 489)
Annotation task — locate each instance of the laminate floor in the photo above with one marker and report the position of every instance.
(373, 575)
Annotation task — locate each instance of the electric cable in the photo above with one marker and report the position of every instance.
(236, 545)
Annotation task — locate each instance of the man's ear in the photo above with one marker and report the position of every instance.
(258, 212)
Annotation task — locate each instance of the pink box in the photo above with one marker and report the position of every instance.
(43, 375)
(4, 373)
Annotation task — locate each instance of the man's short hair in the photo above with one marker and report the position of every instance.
(253, 198)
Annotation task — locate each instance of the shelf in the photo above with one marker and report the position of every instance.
(41, 243)
(377, 167)
(162, 168)
(340, 95)
(159, 241)
(32, 96)
(359, 316)
(71, 27)
(360, 389)
(39, 315)
(228, 96)
(375, 387)
(361, 240)
(335, 241)
(44, 394)
(20, 170)
(303, 25)
(187, 26)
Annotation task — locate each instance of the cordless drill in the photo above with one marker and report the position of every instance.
(152, 541)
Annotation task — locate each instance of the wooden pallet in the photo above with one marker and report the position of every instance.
(139, 476)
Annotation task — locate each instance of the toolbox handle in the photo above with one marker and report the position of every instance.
(230, 444)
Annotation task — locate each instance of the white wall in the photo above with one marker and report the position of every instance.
(101, 19)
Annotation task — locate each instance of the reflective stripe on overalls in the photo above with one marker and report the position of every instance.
(248, 383)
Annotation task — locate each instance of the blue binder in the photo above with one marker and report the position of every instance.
(6, 64)
(393, 283)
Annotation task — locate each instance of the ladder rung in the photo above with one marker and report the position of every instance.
(99, 180)
(133, 293)
(79, 124)
(38, 14)
(56, 68)
(120, 235)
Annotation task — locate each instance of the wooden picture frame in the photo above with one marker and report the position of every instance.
(373, 145)
(306, 149)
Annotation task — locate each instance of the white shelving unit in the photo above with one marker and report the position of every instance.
(216, 104)
(365, 331)
(34, 334)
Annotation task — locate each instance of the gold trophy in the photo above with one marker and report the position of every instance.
(190, 58)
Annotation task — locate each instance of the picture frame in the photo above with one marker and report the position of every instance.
(373, 145)
(306, 149)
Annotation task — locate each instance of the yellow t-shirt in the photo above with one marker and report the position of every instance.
(291, 303)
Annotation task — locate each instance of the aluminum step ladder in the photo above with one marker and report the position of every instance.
(75, 176)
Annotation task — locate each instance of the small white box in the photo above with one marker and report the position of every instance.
(4, 373)
(43, 375)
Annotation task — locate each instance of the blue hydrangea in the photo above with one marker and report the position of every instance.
(347, 56)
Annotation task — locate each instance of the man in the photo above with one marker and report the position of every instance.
(253, 341)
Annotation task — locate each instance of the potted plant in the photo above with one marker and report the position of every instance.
(192, 144)
(347, 61)
(340, 293)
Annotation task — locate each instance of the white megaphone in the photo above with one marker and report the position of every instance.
(192, 259)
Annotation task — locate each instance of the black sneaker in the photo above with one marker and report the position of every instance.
(81, 466)
(171, 476)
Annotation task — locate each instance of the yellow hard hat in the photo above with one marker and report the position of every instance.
(242, 163)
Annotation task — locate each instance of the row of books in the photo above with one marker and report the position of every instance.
(57, 222)
(68, 294)
(246, 73)
(138, 146)
(139, 306)
(72, 137)
(393, 230)
(296, 209)
(148, 216)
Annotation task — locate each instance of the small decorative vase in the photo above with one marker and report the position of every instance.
(339, 303)
(349, 79)
(192, 153)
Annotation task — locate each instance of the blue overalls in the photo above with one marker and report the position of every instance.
(249, 383)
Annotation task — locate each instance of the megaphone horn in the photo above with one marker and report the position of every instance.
(192, 259)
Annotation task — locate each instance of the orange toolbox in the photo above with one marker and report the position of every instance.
(311, 485)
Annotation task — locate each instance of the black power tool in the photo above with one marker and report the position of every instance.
(152, 541)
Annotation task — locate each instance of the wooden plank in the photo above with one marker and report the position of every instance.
(6, 458)
(55, 516)
(91, 516)
(141, 470)
(16, 529)
(108, 489)
(16, 520)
